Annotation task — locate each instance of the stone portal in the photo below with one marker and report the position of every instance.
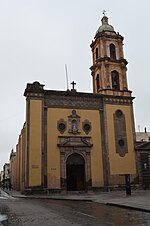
(75, 173)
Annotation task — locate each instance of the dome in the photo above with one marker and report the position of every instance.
(105, 26)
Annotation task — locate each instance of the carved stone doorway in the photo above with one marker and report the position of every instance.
(75, 168)
(75, 163)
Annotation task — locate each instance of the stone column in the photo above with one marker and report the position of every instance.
(120, 49)
(106, 166)
(100, 77)
(104, 48)
(44, 147)
(62, 169)
(88, 171)
(124, 77)
(107, 75)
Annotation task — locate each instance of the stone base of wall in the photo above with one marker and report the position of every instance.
(120, 180)
(116, 182)
(34, 191)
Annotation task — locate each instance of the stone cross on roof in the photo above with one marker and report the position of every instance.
(73, 85)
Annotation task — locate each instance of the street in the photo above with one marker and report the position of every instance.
(47, 212)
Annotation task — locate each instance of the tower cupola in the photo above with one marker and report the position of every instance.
(109, 66)
(105, 27)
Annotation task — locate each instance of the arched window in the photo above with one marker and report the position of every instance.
(115, 80)
(97, 53)
(112, 51)
(97, 82)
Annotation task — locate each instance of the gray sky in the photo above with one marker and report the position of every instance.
(37, 38)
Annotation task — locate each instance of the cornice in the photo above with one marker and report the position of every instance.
(123, 100)
(60, 99)
(108, 60)
(103, 35)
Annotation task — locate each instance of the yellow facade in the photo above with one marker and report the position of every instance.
(53, 157)
(126, 164)
(35, 143)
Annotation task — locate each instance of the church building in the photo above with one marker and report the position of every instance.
(79, 141)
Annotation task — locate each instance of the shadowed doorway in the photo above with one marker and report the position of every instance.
(75, 173)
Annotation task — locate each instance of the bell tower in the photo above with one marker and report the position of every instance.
(109, 66)
(116, 111)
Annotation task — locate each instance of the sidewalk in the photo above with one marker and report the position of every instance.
(139, 199)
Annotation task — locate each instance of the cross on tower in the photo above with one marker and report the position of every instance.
(73, 85)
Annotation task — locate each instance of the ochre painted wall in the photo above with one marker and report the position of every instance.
(18, 166)
(35, 142)
(22, 158)
(120, 165)
(53, 152)
(13, 170)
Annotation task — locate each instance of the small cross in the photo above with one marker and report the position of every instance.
(73, 85)
(104, 11)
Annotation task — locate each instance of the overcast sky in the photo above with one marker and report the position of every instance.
(37, 38)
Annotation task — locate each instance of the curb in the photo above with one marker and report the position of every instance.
(128, 207)
(53, 198)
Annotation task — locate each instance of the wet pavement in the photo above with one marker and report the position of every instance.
(3, 218)
(139, 199)
(77, 209)
(105, 215)
(50, 212)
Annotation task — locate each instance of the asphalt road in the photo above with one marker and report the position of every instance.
(45, 212)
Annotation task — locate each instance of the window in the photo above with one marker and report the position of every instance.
(119, 113)
(97, 53)
(61, 125)
(97, 82)
(112, 51)
(121, 142)
(86, 126)
(115, 80)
